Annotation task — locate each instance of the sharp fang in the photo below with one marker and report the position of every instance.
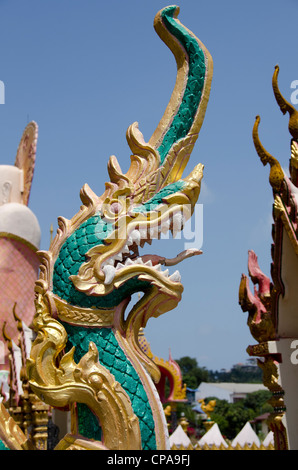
(143, 233)
(109, 274)
(128, 262)
(148, 263)
(157, 267)
(177, 223)
(153, 232)
(109, 261)
(139, 261)
(118, 257)
(178, 220)
(165, 226)
(119, 266)
(125, 249)
(175, 277)
(136, 236)
(166, 272)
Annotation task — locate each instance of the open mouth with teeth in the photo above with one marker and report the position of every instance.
(116, 258)
(129, 256)
(124, 260)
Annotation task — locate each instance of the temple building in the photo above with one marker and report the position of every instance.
(19, 241)
(272, 305)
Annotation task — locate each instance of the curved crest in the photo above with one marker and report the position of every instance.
(285, 106)
(276, 173)
(163, 159)
(25, 158)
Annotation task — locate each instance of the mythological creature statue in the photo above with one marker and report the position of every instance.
(208, 408)
(86, 356)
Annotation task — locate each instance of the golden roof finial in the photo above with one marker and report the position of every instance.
(285, 106)
(184, 423)
(6, 336)
(276, 173)
(17, 318)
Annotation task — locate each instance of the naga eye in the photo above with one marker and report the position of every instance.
(116, 207)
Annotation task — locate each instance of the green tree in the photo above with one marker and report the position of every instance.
(192, 374)
(258, 402)
(239, 373)
(231, 417)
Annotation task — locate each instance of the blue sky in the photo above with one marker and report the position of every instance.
(85, 71)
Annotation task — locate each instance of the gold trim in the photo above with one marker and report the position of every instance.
(63, 382)
(83, 316)
(285, 106)
(276, 175)
(53, 374)
(19, 239)
(280, 211)
(182, 70)
(10, 433)
(294, 155)
(70, 442)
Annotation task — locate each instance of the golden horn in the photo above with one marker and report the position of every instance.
(276, 173)
(285, 106)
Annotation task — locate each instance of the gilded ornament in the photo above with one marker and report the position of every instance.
(267, 307)
(87, 355)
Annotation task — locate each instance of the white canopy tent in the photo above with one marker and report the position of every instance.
(179, 438)
(269, 439)
(213, 437)
(246, 436)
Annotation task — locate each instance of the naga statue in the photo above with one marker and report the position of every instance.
(86, 357)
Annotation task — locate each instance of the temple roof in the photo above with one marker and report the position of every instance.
(227, 391)
(198, 409)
